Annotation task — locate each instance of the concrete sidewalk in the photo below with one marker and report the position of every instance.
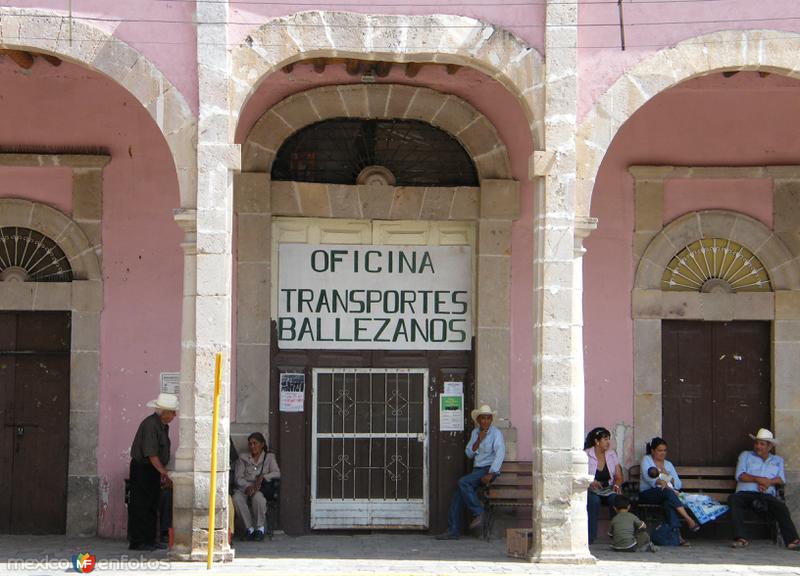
(391, 554)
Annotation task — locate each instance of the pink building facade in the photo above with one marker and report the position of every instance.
(149, 147)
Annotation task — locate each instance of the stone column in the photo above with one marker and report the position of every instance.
(498, 209)
(211, 313)
(559, 476)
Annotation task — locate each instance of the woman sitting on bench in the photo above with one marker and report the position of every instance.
(662, 488)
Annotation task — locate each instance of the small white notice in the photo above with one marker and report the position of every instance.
(454, 388)
(292, 392)
(451, 413)
(170, 382)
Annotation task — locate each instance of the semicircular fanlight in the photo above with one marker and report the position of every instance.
(716, 265)
(337, 151)
(28, 256)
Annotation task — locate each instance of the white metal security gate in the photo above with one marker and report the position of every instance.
(369, 448)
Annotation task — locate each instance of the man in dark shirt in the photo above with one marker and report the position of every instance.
(148, 472)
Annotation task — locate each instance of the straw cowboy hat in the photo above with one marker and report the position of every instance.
(484, 409)
(765, 435)
(165, 402)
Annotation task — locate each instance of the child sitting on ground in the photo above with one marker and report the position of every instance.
(657, 474)
(628, 533)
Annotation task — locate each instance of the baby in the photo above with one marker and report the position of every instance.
(656, 474)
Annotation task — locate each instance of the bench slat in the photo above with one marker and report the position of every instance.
(693, 484)
(511, 480)
(706, 471)
(511, 493)
(517, 466)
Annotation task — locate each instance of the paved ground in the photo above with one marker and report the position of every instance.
(393, 555)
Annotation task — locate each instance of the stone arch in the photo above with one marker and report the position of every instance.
(779, 263)
(651, 305)
(83, 297)
(59, 228)
(764, 50)
(436, 38)
(452, 114)
(45, 31)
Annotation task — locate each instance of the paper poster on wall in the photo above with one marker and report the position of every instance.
(292, 392)
(454, 388)
(451, 413)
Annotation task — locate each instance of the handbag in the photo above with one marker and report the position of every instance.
(666, 535)
(267, 488)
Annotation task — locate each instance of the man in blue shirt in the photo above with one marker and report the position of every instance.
(757, 474)
(487, 449)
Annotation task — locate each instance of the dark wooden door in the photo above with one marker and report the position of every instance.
(34, 412)
(716, 388)
(291, 432)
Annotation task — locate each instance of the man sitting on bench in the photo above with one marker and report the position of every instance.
(757, 474)
(487, 447)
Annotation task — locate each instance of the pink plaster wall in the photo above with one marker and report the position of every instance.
(709, 121)
(161, 30)
(751, 196)
(503, 110)
(73, 108)
(51, 186)
(651, 25)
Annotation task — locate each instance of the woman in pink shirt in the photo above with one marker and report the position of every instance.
(606, 472)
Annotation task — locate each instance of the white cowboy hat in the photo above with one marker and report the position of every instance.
(165, 402)
(765, 435)
(484, 409)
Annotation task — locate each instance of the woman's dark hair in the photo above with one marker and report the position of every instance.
(259, 437)
(653, 444)
(594, 435)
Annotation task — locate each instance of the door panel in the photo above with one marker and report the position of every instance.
(716, 388)
(34, 399)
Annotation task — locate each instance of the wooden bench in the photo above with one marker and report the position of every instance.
(513, 489)
(715, 481)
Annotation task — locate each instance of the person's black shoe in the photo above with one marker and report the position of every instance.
(447, 536)
(141, 547)
(258, 535)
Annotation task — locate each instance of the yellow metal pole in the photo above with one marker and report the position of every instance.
(212, 499)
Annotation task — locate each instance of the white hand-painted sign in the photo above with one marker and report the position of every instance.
(375, 297)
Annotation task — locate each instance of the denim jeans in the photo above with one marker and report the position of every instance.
(668, 499)
(465, 495)
(593, 502)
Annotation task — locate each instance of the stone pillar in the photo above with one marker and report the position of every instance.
(498, 209)
(253, 254)
(211, 313)
(560, 479)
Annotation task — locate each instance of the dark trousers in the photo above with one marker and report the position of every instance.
(145, 483)
(775, 509)
(666, 498)
(593, 503)
(165, 512)
(466, 495)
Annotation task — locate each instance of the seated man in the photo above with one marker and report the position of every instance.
(757, 474)
(487, 447)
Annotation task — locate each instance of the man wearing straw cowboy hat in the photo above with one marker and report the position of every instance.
(148, 472)
(487, 449)
(758, 473)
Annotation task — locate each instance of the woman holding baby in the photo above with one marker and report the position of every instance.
(659, 484)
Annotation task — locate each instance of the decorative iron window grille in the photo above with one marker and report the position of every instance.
(716, 265)
(336, 151)
(28, 256)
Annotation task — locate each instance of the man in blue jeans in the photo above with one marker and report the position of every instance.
(487, 449)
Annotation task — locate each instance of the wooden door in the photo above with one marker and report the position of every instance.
(716, 388)
(34, 411)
